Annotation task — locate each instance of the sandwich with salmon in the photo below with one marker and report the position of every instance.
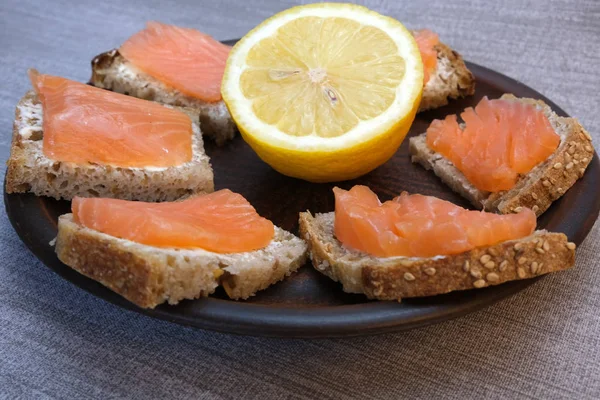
(507, 154)
(171, 65)
(445, 75)
(151, 253)
(71, 139)
(416, 245)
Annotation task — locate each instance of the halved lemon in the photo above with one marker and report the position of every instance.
(324, 92)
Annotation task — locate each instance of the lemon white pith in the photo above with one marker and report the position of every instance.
(324, 92)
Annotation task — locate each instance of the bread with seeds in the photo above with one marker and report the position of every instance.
(110, 70)
(149, 276)
(450, 80)
(31, 171)
(544, 184)
(394, 278)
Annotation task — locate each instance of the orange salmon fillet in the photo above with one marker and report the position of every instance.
(427, 40)
(420, 226)
(83, 124)
(222, 222)
(502, 139)
(186, 59)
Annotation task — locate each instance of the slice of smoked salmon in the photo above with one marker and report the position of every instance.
(222, 222)
(501, 140)
(186, 59)
(84, 124)
(427, 40)
(420, 226)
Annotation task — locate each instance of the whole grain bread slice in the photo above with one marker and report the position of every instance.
(395, 278)
(149, 276)
(112, 71)
(544, 184)
(450, 80)
(29, 170)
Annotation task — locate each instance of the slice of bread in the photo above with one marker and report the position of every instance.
(29, 170)
(112, 71)
(545, 183)
(450, 80)
(395, 278)
(148, 276)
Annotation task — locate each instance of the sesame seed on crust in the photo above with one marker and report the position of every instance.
(479, 283)
(492, 277)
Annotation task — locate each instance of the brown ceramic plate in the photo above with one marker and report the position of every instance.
(308, 304)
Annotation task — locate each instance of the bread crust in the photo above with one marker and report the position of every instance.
(148, 276)
(29, 170)
(395, 278)
(539, 188)
(135, 273)
(451, 80)
(112, 71)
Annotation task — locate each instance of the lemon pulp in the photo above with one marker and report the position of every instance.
(324, 92)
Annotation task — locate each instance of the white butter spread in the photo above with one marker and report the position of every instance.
(31, 120)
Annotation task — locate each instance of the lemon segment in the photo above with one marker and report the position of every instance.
(324, 92)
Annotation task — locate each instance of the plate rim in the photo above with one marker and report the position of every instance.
(302, 321)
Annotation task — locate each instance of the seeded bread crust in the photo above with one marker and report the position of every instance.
(537, 190)
(148, 276)
(112, 71)
(395, 278)
(29, 170)
(451, 80)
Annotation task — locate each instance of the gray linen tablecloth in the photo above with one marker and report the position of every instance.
(58, 341)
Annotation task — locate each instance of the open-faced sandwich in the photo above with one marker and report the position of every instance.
(416, 245)
(446, 76)
(509, 153)
(72, 139)
(152, 253)
(180, 67)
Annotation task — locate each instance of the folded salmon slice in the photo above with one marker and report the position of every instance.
(501, 140)
(420, 226)
(186, 59)
(427, 40)
(222, 222)
(83, 124)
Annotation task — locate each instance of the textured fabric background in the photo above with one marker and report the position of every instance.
(58, 341)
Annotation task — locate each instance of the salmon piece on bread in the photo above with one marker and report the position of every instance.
(152, 253)
(395, 278)
(420, 226)
(446, 75)
(416, 245)
(550, 173)
(71, 139)
(221, 222)
(185, 59)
